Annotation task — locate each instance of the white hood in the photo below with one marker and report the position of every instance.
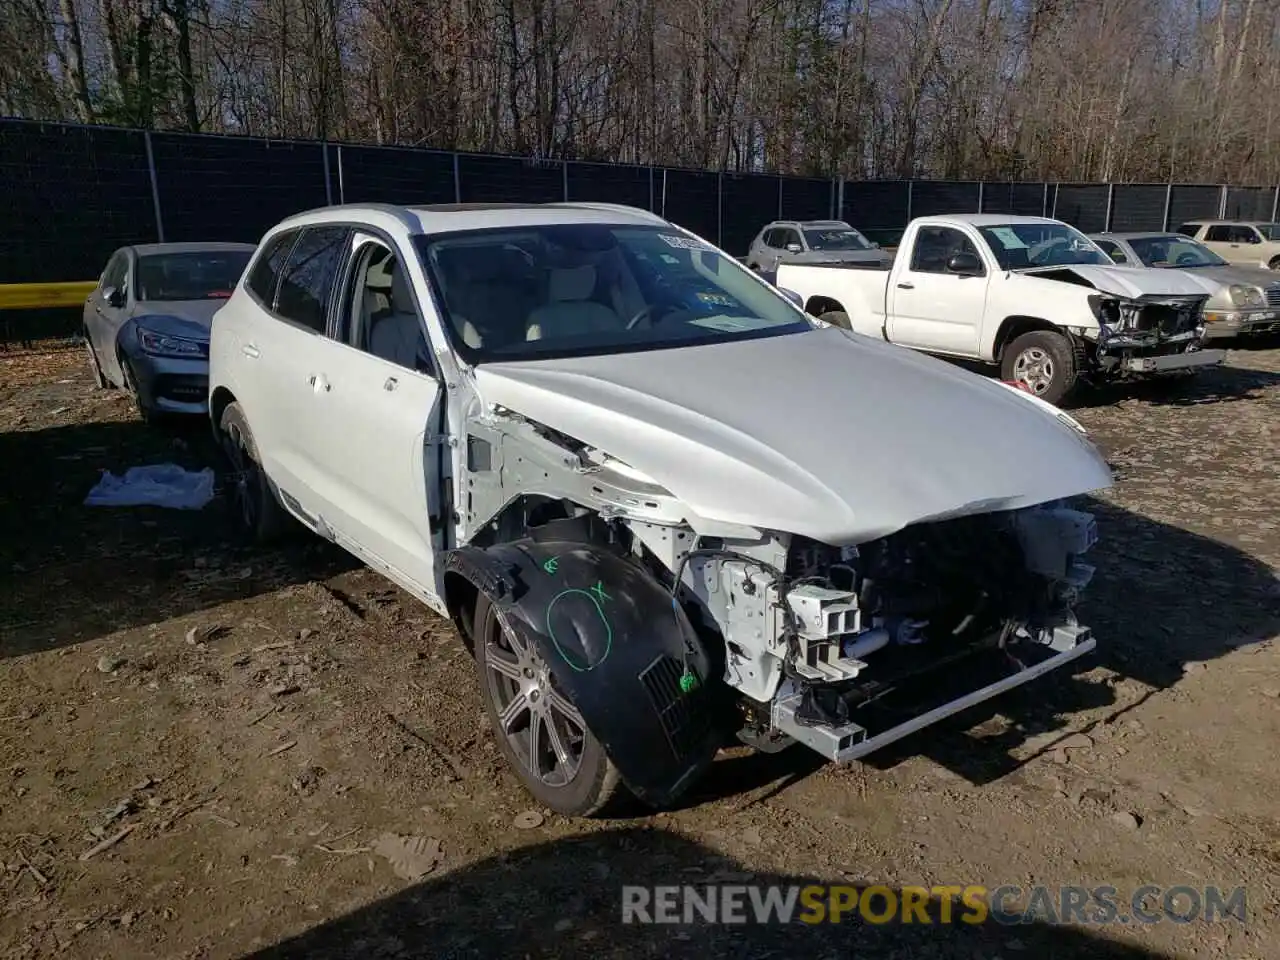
(823, 433)
(1128, 281)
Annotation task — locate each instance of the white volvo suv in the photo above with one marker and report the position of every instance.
(663, 505)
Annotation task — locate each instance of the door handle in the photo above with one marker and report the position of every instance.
(391, 384)
(318, 383)
(249, 350)
(906, 286)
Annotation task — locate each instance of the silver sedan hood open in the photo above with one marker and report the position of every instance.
(823, 433)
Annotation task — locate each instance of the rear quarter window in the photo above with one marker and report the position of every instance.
(264, 275)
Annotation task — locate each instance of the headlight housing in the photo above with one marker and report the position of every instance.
(1243, 295)
(166, 345)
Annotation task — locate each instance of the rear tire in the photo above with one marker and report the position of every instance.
(1045, 361)
(259, 516)
(539, 723)
(837, 318)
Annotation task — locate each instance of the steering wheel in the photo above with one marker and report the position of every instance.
(1185, 259)
(646, 313)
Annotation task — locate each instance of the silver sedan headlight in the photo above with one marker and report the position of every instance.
(1245, 296)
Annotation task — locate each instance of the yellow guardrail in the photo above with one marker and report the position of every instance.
(38, 296)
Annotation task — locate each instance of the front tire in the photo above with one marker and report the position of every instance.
(1275, 263)
(1045, 361)
(258, 513)
(95, 368)
(147, 414)
(539, 732)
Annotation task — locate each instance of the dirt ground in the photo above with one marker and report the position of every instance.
(202, 748)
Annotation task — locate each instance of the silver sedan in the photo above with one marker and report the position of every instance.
(1243, 301)
(146, 324)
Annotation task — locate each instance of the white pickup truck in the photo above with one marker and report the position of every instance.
(1033, 295)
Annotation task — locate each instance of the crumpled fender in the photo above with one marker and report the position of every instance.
(618, 647)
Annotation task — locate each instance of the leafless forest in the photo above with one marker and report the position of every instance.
(1154, 90)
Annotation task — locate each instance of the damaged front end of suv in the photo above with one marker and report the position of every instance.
(706, 551)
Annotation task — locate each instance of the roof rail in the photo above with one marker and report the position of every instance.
(615, 207)
(391, 209)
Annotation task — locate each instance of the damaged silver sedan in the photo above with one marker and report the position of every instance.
(666, 509)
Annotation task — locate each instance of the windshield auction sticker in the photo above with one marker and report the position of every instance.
(1007, 237)
(684, 243)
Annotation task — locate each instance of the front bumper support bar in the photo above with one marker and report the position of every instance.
(851, 741)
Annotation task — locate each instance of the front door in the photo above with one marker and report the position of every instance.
(1235, 243)
(931, 308)
(103, 320)
(383, 406)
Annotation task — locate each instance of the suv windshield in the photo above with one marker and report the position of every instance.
(202, 275)
(1022, 246)
(1270, 231)
(1174, 251)
(835, 238)
(568, 289)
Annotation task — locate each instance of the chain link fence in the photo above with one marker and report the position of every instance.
(73, 193)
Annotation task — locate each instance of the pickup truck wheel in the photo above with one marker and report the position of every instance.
(1044, 361)
(540, 733)
(837, 318)
(259, 516)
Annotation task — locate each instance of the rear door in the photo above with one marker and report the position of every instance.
(380, 453)
(286, 354)
(931, 308)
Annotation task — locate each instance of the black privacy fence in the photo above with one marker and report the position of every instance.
(72, 194)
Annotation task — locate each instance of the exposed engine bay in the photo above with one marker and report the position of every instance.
(1147, 327)
(824, 629)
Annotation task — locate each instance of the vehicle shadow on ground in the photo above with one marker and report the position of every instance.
(70, 573)
(1162, 599)
(1220, 385)
(564, 899)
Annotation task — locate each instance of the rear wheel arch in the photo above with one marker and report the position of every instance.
(219, 400)
(1015, 326)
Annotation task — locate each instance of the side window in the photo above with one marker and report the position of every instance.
(1246, 235)
(265, 275)
(114, 274)
(1112, 250)
(378, 312)
(309, 274)
(771, 238)
(1219, 234)
(1188, 229)
(789, 237)
(935, 246)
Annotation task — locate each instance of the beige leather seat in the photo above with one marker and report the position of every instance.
(570, 313)
(397, 336)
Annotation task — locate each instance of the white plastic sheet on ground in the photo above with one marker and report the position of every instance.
(158, 485)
